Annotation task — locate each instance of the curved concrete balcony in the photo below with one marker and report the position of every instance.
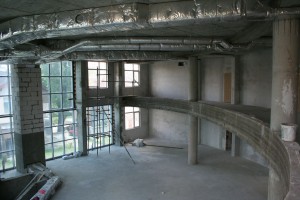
(249, 123)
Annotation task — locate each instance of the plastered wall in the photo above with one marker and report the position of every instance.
(168, 80)
(168, 126)
(256, 78)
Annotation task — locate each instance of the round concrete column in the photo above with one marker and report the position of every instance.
(285, 72)
(284, 87)
(193, 141)
(193, 121)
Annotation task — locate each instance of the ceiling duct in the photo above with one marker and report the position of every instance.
(132, 16)
(59, 48)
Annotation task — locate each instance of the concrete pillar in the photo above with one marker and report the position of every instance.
(193, 121)
(81, 104)
(284, 86)
(284, 74)
(193, 141)
(235, 145)
(118, 76)
(28, 116)
(199, 86)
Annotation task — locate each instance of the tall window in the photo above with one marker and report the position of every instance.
(59, 112)
(98, 74)
(7, 149)
(132, 75)
(99, 126)
(132, 117)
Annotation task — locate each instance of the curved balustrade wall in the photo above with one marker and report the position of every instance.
(283, 157)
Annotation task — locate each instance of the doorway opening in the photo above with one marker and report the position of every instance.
(228, 141)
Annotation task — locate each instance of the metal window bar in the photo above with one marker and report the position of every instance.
(51, 110)
(10, 116)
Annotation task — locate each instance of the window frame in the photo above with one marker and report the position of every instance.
(9, 116)
(50, 112)
(99, 72)
(136, 69)
(135, 111)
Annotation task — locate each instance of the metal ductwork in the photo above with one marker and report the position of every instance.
(134, 16)
(121, 55)
(58, 48)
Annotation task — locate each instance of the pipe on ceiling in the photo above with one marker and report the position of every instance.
(133, 16)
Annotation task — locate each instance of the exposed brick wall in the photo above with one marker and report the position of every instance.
(27, 100)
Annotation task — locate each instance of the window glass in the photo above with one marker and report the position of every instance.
(60, 131)
(131, 75)
(132, 117)
(98, 74)
(7, 146)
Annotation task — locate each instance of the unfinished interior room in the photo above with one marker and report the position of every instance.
(149, 99)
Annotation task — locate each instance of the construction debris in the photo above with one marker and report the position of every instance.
(72, 155)
(42, 186)
(138, 142)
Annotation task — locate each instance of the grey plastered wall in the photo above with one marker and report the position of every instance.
(168, 80)
(212, 78)
(168, 125)
(256, 78)
(212, 134)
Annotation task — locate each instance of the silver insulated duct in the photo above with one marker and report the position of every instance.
(132, 16)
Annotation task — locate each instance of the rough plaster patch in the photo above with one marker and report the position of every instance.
(287, 96)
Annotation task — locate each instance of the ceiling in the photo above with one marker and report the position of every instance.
(46, 30)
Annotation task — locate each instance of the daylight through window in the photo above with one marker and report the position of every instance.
(132, 75)
(132, 117)
(98, 74)
(59, 113)
(7, 147)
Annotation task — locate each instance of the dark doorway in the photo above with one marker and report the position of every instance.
(228, 140)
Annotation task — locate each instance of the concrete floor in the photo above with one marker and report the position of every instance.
(159, 173)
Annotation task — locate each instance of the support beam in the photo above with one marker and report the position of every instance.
(284, 87)
(193, 121)
(81, 102)
(193, 141)
(118, 67)
(284, 75)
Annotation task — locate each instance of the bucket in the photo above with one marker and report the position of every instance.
(288, 132)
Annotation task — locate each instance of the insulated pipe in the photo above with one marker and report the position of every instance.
(145, 47)
(134, 16)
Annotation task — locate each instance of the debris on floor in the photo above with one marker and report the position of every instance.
(42, 186)
(72, 155)
(138, 142)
